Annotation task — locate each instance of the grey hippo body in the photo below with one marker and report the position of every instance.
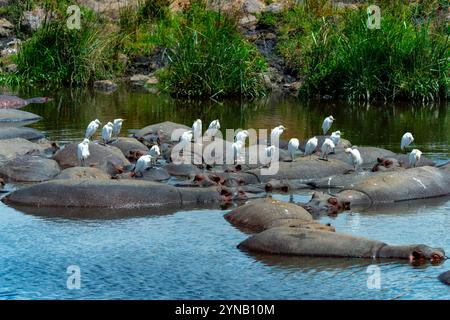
(14, 102)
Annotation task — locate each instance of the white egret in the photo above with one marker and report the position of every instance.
(327, 147)
(311, 146)
(414, 157)
(237, 146)
(142, 164)
(270, 153)
(117, 125)
(154, 152)
(186, 138)
(107, 132)
(335, 137)
(213, 128)
(407, 139)
(92, 128)
(293, 146)
(276, 133)
(242, 135)
(326, 125)
(356, 157)
(83, 151)
(197, 130)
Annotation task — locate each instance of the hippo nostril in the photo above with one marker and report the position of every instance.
(284, 189)
(238, 167)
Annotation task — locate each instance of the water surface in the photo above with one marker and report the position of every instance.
(193, 254)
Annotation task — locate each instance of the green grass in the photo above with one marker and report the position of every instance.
(210, 58)
(338, 55)
(55, 55)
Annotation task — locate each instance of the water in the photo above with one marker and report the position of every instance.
(193, 254)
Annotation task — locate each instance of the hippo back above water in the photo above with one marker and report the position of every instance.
(14, 102)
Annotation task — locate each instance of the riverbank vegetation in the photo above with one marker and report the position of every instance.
(327, 47)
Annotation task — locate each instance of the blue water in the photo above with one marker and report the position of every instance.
(193, 254)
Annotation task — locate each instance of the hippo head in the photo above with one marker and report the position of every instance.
(325, 203)
(422, 253)
(386, 164)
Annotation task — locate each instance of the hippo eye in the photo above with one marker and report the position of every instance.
(417, 255)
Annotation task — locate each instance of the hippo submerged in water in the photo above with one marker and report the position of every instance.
(14, 102)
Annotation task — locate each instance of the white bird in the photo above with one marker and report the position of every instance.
(293, 146)
(356, 157)
(142, 164)
(186, 138)
(276, 133)
(213, 128)
(326, 125)
(154, 152)
(107, 132)
(414, 157)
(237, 146)
(83, 151)
(117, 125)
(92, 128)
(197, 130)
(270, 153)
(407, 139)
(311, 146)
(335, 137)
(242, 135)
(327, 147)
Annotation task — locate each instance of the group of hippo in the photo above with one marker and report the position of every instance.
(47, 176)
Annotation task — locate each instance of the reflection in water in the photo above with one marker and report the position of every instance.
(66, 117)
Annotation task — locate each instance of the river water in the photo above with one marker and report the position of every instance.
(193, 254)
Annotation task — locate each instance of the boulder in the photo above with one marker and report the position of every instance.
(445, 277)
(14, 117)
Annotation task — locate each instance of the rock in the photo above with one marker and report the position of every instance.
(29, 169)
(152, 81)
(13, 117)
(112, 194)
(445, 277)
(318, 243)
(248, 20)
(33, 19)
(107, 158)
(11, 68)
(259, 214)
(20, 132)
(139, 80)
(11, 149)
(129, 145)
(83, 173)
(6, 28)
(12, 47)
(253, 6)
(274, 8)
(105, 85)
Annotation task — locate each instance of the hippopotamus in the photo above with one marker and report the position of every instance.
(13, 117)
(385, 187)
(342, 145)
(369, 155)
(320, 243)
(29, 168)
(445, 277)
(14, 102)
(129, 146)
(285, 185)
(113, 194)
(11, 149)
(159, 131)
(151, 174)
(262, 214)
(387, 164)
(83, 173)
(305, 168)
(20, 132)
(183, 170)
(108, 158)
